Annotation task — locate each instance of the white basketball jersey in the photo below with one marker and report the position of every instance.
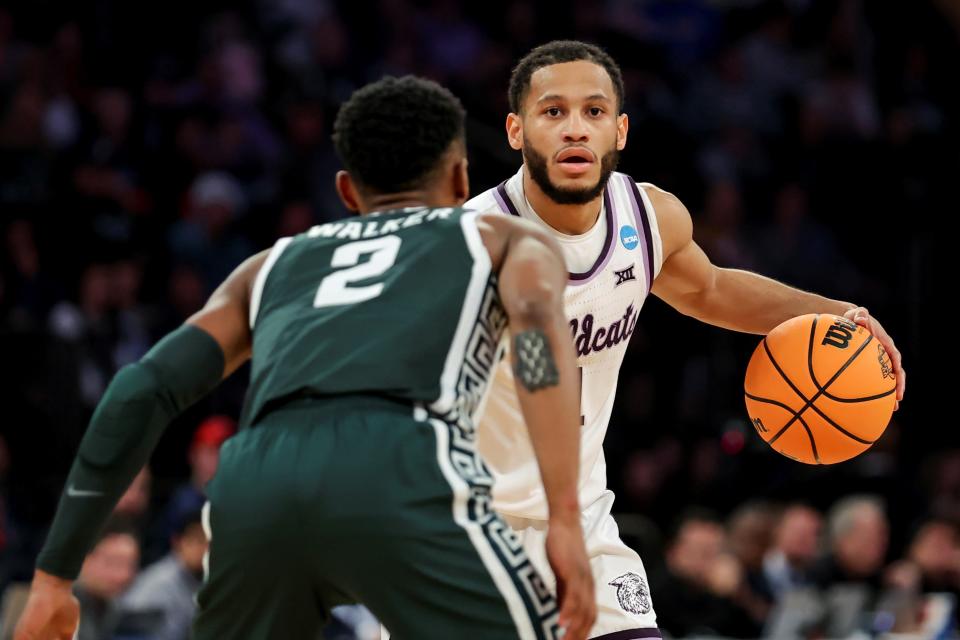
(602, 304)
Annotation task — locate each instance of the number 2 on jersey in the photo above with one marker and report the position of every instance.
(334, 290)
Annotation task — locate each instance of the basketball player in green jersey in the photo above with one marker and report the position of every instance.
(354, 477)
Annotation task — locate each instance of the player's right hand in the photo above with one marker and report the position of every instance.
(51, 613)
(862, 317)
(568, 559)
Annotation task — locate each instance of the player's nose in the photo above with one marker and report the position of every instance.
(575, 129)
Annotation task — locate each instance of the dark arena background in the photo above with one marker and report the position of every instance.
(147, 148)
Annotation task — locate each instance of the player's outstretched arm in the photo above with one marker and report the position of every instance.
(736, 299)
(532, 279)
(141, 400)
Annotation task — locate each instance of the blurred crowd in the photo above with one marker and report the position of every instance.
(147, 148)
(789, 571)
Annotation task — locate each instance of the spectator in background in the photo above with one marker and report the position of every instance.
(163, 594)
(24, 174)
(134, 506)
(859, 534)
(107, 328)
(932, 564)
(750, 533)
(727, 97)
(943, 471)
(248, 147)
(797, 248)
(204, 456)
(107, 176)
(30, 289)
(185, 295)
(87, 329)
(697, 593)
(309, 163)
(133, 330)
(297, 217)
(62, 125)
(208, 236)
(841, 105)
(720, 229)
(787, 565)
(935, 551)
(770, 59)
(452, 43)
(107, 572)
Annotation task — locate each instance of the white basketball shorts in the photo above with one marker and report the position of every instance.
(624, 605)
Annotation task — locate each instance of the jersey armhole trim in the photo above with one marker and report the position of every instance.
(639, 205)
(654, 225)
(473, 300)
(261, 280)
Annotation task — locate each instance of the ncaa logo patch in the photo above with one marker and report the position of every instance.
(629, 237)
(633, 593)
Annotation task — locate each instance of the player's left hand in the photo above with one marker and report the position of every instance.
(576, 593)
(862, 317)
(51, 613)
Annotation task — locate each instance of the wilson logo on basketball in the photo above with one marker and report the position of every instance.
(886, 368)
(839, 334)
(758, 423)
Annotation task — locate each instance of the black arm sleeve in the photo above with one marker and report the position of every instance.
(140, 402)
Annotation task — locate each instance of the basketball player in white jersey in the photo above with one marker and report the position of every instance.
(622, 241)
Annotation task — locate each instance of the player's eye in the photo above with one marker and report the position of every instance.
(553, 112)
(596, 111)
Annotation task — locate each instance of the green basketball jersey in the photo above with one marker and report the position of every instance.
(401, 304)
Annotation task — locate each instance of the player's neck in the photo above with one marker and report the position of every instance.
(571, 219)
(402, 200)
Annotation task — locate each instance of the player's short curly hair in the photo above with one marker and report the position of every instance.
(391, 134)
(557, 52)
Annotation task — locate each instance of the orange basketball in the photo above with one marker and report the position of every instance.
(820, 389)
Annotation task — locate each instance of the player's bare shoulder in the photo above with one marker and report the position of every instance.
(673, 218)
(238, 286)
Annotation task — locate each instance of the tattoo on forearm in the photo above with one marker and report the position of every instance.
(535, 367)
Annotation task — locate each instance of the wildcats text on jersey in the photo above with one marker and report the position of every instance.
(587, 341)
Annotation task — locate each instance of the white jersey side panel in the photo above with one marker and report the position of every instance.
(602, 306)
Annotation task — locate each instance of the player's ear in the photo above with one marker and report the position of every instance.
(461, 180)
(347, 191)
(514, 131)
(623, 125)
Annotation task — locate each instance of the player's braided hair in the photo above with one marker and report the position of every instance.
(391, 134)
(557, 52)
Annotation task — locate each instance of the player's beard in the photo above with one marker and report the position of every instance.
(537, 166)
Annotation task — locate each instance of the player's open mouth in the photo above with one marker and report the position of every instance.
(575, 160)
